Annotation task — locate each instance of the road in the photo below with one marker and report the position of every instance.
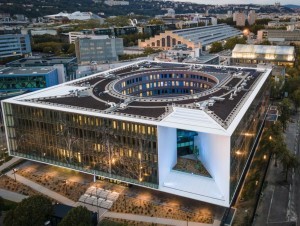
(279, 204)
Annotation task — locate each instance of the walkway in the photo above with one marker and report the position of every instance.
(12, 196)
(9, 163)
(60, 198)
(156, 220)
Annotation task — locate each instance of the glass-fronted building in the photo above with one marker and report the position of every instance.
(98, 49)
(27, 78)
(263, 54)
(193, 144)
(14, 45)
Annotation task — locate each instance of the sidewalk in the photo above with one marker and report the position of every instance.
(156, 220)
(9, 163)
(12, 196)
(41, 189)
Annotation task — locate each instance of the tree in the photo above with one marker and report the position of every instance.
(230, 43)
(285, 112)
(216, 47)
(296, 98)
(156, 21)
(79, 216)
(273, 141)
(265, 42)
(289, 161)
(33, 211)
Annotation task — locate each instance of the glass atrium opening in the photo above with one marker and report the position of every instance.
(188, 160)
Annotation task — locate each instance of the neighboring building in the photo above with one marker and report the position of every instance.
(75, 16)
(279, 24)
(263, 54)
(14, 45)
(183, 129)
(10, 30)
(252, 17)
(187, 24)
(279, 36)
(198, 37)
(73, 35)
(100, 49)
(240, 19)
(116, 31)
(102, 31)
(204, 59)
(152, 29)
(66, 66)
(206, 20)
(127, 30)
(27, 78)
(114, 3)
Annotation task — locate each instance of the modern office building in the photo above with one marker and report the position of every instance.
(183, 129)
(100, 49)
(66, 66)
(14, 45)
(27, 79)
(263, 54)
(280, 36)
(198, 37)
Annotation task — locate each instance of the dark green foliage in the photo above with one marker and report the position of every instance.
(285, 112)
(230, 43)
(132, 39)
(79, 216)
(33, 211)
(216, 47)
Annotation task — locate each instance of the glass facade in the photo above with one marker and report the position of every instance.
(22, 82)
(116, 149)
(185, 142)
(167, 83)
(245, 134)
(100, 50)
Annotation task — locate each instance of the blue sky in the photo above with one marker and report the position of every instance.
(220, 2)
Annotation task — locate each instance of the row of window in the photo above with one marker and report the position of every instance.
(164, 76)
(156, 87)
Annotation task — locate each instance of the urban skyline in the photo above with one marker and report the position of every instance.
(246, 2)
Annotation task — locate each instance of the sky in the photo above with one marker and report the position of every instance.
(220, 2)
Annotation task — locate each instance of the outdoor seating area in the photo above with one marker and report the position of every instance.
(99, 197)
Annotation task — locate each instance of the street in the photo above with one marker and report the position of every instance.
(278, 204)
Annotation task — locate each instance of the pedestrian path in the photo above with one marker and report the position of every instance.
(156, 220)
(60, 198)
(12, 196)
(9, 163)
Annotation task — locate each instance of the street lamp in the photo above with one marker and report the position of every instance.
(14, 173)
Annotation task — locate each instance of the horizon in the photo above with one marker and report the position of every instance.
(247, 2)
